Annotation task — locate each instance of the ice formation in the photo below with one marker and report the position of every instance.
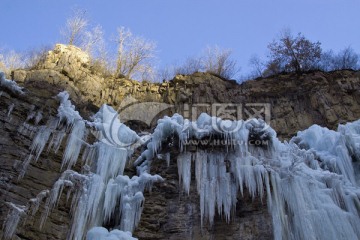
(18, 213)
(12, 220)
(11, 85)
(310, 183)
(102, 175)
(128, 194)
(10, 109)
(97, 233)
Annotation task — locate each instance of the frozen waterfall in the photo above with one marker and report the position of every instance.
(311, 183)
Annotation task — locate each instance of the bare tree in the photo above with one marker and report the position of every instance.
(134, 55)
(190, 66)
(258, 66)
(346, 59)
(11, 60)
(218, 61)
(93, 42)
(35, 57)
(327, 61)
(166, 73)
(294, 53)
(75, 27)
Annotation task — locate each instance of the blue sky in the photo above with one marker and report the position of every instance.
(183, 28)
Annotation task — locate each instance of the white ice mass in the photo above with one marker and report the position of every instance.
(11, 85)
(311, 183)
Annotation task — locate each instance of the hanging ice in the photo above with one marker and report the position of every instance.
(110, 130)
(98, 233)
(12, 220)
(127, 193)
(10, 109)
(303, 186)
(104, 161)
(74, 144)
(330, 147)
(11, 85)
(309, 183)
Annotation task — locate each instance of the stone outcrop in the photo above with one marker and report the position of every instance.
(294, 102)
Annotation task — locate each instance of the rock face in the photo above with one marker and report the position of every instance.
(294, 102)
(18, 125)
(289, 102)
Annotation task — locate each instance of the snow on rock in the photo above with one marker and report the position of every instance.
(11, 85)
(100, 233)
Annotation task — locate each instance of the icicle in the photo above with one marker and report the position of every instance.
(131, 208)
(110, 161)
(38, 144)
(16, 212)
(11, 85)
(127, 190)
(36, 148)
(10, 109)
(87, 210)
(38, 117)
(67, 179)
(35, 202)
(74, 144)
(40, 141)
(166, 157)
(56, 140)
(184, 170)
(98, 233)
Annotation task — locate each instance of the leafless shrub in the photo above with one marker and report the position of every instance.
(135, 55)
(218, 61)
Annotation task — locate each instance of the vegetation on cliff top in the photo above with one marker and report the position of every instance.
(134, 57)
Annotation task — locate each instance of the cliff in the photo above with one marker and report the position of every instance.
(289, 102)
